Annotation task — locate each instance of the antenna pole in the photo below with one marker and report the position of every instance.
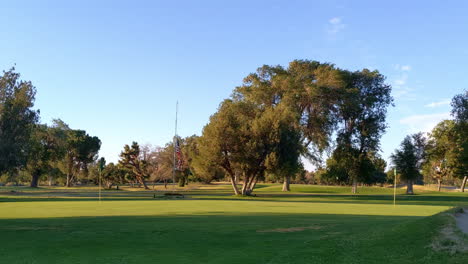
(394, 187)
(174, 143)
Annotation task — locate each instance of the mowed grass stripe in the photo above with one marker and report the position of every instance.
(15, 210)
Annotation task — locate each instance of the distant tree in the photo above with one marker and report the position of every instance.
(205, 170)
(378, 174)
(44, 150)
(131, 159)
(285, 143)
(440, 150)
(459, 162)
(162, 165)
(81, 149)
(113, 175)
(310, 177)
(409, 158)
(237, 140)
(371, 168)
(362, 107)
(189, 148)
(334, 172)
(17, 120)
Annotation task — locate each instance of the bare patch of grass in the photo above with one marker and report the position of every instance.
(290, 229)
(31, 228)
(450, 239)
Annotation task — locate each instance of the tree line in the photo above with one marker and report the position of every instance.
(441, 155)
(29, 149)
(276, 117)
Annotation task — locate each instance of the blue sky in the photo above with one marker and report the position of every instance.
(116, 68)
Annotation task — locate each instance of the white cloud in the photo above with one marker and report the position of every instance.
(400, 89)
(399, 67)
(335, 21)
(439, 103)
(423, 123)
(403, 91)
(401, 80)
(405, 68)
(335, 25)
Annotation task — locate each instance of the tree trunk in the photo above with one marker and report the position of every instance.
(234, 185)
(69, 171)
(108, 185)
(286, 182)
(355, 185)
(35, 179)
(232, 175)
(245, 185)
(144, 184)
(439, 183)
(252, 184)
(181, 182)
(165, 184)
(69, 180)
(462, 189)
(409, 187)
(50, 180)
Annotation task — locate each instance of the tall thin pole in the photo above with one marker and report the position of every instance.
(174, 143)
(394, 187)
(100, 172)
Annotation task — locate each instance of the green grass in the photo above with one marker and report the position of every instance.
(313, 224)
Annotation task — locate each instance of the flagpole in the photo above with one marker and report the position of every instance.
(100, 173)
(394, 187)
(174, 144)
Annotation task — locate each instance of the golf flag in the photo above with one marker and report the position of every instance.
(180, 159)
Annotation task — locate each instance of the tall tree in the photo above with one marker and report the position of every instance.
(323, 97)
(460, 155)
(45, 148)
(318, 96)
(362, 108)
(112, 174)
(131, 159)
(17, 120)
(409, 158)
(440, 151)
(286, 143)
(222, 139)
(162, 166)
(307, 89)
(81, 149)
(246, 139)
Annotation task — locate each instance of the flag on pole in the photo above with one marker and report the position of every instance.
(179, 156)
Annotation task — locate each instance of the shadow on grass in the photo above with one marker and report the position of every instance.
(369, 199)
(312, 198)
(213, 238)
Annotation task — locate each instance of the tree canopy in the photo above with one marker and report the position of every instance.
(408, 160)
(17, 120)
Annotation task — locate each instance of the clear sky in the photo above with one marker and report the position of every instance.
(116, 68)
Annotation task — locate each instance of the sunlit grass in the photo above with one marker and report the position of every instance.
(311, 224)
(197, 207)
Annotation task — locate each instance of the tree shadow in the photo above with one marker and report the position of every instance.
(218, 238)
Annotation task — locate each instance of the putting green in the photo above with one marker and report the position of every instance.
(211, 227)
(203, 207)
